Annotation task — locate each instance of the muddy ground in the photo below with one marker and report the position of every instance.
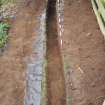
(84, 54)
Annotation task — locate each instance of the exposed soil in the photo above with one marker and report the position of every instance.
(84, 54)
(55, 76)
(83, 49)
(13, 60)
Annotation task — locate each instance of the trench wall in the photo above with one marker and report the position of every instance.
(35, 92)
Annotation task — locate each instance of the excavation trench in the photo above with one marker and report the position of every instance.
(55, 75)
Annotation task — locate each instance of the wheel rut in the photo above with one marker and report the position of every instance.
(55, 75)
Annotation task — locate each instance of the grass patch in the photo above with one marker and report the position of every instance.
(69, 101)
(4, 28)
(3, 2)
(66, 66)
(103, 2)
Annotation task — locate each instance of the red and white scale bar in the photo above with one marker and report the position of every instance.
(60, 20)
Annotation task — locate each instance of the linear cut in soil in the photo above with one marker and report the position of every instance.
(56, 86)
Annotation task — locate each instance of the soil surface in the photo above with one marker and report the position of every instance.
(83, 49)
(84, 53)
(55, 75)
(13, 61)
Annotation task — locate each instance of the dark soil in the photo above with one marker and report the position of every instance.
(55, 75)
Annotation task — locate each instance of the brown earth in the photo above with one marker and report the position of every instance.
(55, 75)
(83, 50)
(84, 54)
(13, 61)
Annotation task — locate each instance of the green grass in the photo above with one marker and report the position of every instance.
(66, 66)
(4, 27)
(103, 2)
(69, 101)
(2, 2)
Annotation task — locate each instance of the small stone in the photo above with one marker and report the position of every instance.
(89, 34)
(103, 103)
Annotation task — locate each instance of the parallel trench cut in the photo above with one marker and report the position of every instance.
(55, 74)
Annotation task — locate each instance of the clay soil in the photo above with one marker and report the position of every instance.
(84, 54)
(55, 76)
(13, 60)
